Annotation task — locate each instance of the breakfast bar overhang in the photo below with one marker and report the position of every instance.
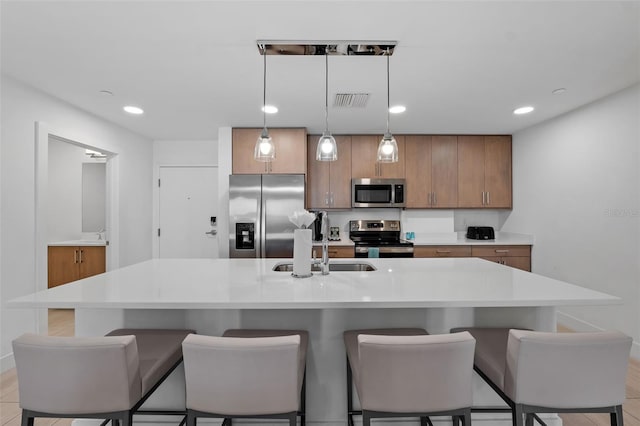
(212, 295)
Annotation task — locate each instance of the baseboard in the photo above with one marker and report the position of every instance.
(7, 362)
(584, 326)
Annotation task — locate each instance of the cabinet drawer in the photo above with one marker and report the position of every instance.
(442, 251)
(335, 252)
(502, 251)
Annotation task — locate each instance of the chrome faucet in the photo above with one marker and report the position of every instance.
(324, 229)
(324, 226)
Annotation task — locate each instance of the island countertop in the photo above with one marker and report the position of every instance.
(252, 284)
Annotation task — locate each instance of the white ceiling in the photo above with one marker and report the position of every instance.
(459, 67)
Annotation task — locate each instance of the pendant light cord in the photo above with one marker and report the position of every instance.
(264, 89)
(326, 92)
(387, 55)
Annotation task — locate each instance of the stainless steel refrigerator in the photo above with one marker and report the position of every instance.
(259, 209)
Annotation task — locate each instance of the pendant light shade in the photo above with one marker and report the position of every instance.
(388, 147)
(327, 149)
(264, 150)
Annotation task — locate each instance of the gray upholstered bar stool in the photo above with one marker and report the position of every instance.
(94, 377)
(246, 374)
(412, 375)
(538, 372)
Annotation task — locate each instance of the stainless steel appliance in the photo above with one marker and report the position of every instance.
(381, 235)
(368, 192)
(259, 209)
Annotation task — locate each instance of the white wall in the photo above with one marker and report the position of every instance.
(577, 189)
(64, 191)
(21, 107)
(179, 153)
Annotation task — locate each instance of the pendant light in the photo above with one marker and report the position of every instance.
(388, 148)
(264, 150)
(327, 149)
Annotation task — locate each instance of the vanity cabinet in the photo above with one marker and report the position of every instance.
(329, 182)
(290, 145)
(71, 263)
(364, 158)
(484, 172)
(431, 166)
(514, 256)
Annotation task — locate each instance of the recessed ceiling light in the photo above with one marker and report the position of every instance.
(523, 110)
(133, 110)
(397, 109)
(106, 92)
(270, 109)
(559, 91)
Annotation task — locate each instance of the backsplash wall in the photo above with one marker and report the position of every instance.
(422, 221)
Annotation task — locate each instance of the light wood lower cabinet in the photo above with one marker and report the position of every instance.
(71, 263)
(515, 256)
(442, 251)
(335, 252)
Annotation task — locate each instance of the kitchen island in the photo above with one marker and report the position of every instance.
(213, 295)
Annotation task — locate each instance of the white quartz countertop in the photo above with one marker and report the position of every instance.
(78, 243)
(251, 284)
(458, 238)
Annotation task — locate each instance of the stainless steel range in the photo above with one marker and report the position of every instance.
(381, 234)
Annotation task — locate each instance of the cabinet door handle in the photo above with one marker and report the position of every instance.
(435, 199)
(428, 198)
(81, 255)
(75, 256)
(331, 198)
(441, 251)
(483, 198)
(488, 198)
(502, 251)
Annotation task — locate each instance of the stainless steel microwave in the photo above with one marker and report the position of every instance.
(368, 192)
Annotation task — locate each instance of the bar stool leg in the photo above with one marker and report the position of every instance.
(366, 418)
(27, 420)
(466, 418)
(616, 417)
(517, 415)
(349, 395)
(528, 419)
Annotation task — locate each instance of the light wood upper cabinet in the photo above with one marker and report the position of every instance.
(329, 182)
(431, 166)
(290, 145)
(484, 172)
(69, 263)
(364, 158)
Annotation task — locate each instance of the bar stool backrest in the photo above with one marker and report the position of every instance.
(567, 370)
(77, 375)
(240, 376)
(416, 374)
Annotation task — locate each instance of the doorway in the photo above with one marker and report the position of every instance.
(188, 212)
(49, 224)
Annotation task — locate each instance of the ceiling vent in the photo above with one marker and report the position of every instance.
(351, 100)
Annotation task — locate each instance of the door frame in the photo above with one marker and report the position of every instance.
(112, 218)
(155, 242)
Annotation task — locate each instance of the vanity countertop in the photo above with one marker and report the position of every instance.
(74, 243)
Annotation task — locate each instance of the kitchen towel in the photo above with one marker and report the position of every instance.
(302, 253)
(373, 252)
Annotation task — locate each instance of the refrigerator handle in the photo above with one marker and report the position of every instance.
(262, 215)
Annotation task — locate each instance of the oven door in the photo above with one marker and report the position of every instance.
(386, 251)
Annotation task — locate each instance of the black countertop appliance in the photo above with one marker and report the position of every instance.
(480, 233)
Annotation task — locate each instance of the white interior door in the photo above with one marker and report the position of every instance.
(188, 199)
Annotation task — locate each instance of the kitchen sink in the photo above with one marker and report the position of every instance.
(333, 266)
